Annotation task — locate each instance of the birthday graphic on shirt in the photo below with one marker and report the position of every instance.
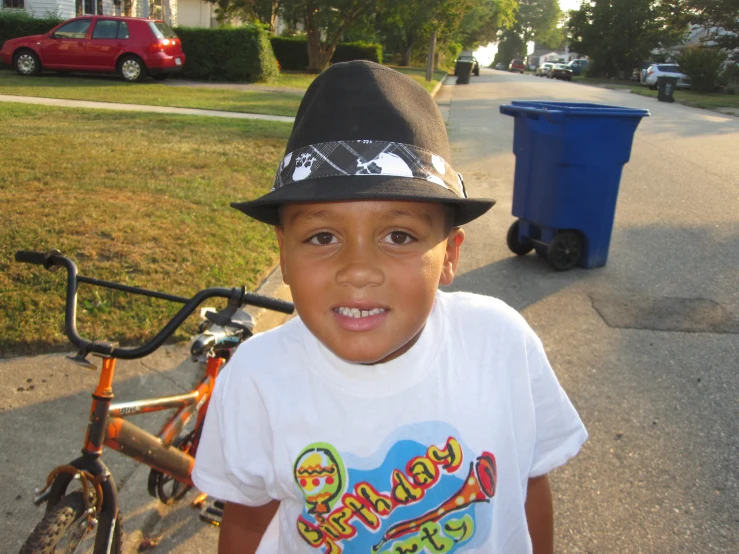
(421, 498)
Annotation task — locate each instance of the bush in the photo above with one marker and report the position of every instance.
(703, 66)
(14, 24)
(228, 54)
(292, 52)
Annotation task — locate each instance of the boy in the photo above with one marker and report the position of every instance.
(391, 417)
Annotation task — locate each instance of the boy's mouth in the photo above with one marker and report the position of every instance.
(356, 313)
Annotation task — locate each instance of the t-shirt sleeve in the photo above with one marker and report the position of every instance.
(559, 431)
(233, 458)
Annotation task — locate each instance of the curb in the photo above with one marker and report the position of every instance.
(439, 85)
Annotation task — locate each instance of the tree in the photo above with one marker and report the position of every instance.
(715, 16)
(620, 34)
(537, 20)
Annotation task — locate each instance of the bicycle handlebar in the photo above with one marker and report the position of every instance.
(53, 260)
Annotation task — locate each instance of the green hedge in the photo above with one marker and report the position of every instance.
(14, 24)
(292, 52)
(228, 54)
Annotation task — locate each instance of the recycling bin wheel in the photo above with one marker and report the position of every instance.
(515, 243)
(565, 250)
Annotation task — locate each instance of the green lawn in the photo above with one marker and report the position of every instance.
(705, 100)
(302, 80)
(136, 198)
(112, 89)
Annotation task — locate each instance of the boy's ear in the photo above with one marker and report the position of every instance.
(451, 256)
(280, 232)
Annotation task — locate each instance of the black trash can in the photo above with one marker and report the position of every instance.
(464, 70)
(666, 89)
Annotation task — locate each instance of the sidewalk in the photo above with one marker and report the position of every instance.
(139, 108)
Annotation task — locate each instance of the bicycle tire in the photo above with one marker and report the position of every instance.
(60, 520)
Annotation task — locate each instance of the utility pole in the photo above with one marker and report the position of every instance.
(432, 56)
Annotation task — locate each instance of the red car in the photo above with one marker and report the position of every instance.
(129, 46)
(517, 65)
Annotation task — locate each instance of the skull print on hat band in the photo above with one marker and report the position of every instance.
(367, 157)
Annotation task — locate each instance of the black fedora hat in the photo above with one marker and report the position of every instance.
(366, 132)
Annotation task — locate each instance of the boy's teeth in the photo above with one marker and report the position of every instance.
(357, 313)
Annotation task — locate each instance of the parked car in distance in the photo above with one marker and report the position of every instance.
(472, 59)
(664, 70)
(543, 69)
(639, 73)
(560, 71)
(517, 65)
(578, 66)
(129, 46)
(500, 66)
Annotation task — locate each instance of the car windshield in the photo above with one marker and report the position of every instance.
(669, 68)
(161, 29)
(560, 66)
(517, 61)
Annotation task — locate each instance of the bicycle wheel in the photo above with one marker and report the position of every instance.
(63, 531)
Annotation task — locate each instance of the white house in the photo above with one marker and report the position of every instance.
(184, 13)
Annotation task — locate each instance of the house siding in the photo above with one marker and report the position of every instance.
(40, 8)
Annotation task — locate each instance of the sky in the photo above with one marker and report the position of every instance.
(566, 5)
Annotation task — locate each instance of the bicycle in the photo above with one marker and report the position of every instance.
(73, 519)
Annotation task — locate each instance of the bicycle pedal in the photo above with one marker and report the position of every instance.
(212, 512)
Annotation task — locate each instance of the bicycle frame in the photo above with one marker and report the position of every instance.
(109, 428)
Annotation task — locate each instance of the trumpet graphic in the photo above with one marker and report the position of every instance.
(479, 486)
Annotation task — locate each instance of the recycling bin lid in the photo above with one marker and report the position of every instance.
(570, 108)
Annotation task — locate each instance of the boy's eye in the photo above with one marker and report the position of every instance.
(322, 239)
(398, 237)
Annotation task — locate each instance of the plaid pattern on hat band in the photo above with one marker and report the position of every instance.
(367, 157)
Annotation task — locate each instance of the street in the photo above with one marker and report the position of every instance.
(659, 472)
(647, 347)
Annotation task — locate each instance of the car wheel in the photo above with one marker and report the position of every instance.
(131, 69)
(26, 63)
(652, 87)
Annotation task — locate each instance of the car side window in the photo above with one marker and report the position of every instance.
(74, 29)
(105, 29)
(123, 30)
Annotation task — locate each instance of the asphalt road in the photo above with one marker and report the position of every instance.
(659, 473)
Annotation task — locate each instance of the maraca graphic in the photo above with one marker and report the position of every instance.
(479, 486)
(319, 474)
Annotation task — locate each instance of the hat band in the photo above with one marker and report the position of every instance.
(367, 157)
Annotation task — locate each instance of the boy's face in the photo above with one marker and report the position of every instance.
(364, 274)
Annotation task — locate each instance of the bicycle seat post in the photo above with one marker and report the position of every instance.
(101, 399)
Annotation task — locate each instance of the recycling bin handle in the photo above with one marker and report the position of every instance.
(553, 116)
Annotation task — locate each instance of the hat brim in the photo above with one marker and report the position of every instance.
(365, 187)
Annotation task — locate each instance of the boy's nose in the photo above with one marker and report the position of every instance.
(359, 267)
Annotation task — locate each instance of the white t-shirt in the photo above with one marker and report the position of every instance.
(429, 452)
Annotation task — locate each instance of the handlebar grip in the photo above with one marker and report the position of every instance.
(29, 257)
(269, 303)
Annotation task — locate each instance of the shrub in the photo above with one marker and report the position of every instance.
(703, 66)
(292, 52)
(228, 54)
(14, 24)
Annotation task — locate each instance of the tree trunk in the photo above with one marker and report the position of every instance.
(407, 53)
(320, 53)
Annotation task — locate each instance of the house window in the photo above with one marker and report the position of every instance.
(17, 4)
(155, 9)
(90, 7)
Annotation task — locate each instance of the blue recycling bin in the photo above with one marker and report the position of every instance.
(569, 158)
